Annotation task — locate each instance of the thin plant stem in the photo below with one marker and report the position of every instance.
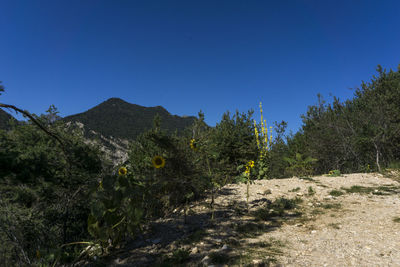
(247, 192)
(212, 189)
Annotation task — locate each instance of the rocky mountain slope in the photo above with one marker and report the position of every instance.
(115, 122)
(115, 149)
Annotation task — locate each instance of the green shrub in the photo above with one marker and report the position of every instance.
(336, 193)
(233, 144)
(334, 173)
(44, 192)
(298, 166)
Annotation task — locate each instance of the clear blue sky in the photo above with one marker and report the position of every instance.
(191, 55)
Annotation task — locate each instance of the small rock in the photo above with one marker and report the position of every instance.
(366, 247)
(257, 261)
(310, 204)
(218, 240)
(205, 260)
(313, 231)
(299, 194)
(224, 247)
(194, 250)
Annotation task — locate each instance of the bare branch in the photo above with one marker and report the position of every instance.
(26, 113)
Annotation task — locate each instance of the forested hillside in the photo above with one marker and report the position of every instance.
(63, 202)
(121, 119)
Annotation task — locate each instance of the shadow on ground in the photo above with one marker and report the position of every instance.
(171, 242)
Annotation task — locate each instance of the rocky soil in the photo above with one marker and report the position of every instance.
(350, 220)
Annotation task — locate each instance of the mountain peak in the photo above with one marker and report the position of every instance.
(115, 100)
(118, 118)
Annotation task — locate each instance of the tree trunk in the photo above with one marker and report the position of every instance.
(377, 157)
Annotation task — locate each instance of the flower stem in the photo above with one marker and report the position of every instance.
(212, 189)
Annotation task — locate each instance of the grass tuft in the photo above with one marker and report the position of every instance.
(276, 208)
(297, 189)
(178, 258)
(334, 225)
(335, 206)
(396, 219)
(336, 193)
(311, 191)
(195, 237)
(219, 258)
(380, 190)
(250, 229)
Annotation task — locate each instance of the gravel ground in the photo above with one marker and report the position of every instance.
(352, 229)
(361, 233)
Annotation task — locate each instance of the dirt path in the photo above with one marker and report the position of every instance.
(352, 220)
(361, 232)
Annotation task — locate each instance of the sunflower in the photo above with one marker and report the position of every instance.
(122, 171)
(193, 144)
(158, 162)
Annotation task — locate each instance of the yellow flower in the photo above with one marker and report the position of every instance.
(122, 171)
(193, 144)
(247, 171)
(158, 162)
(251, 164)
(256, 134)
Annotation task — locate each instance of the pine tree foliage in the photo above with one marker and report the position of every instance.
(364, 131)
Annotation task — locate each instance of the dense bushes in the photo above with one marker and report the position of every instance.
(172, 184)
(43, 194)
(357, 134)
(233, 142)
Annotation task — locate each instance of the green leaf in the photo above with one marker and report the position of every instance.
(98, 209)
(108, 183)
